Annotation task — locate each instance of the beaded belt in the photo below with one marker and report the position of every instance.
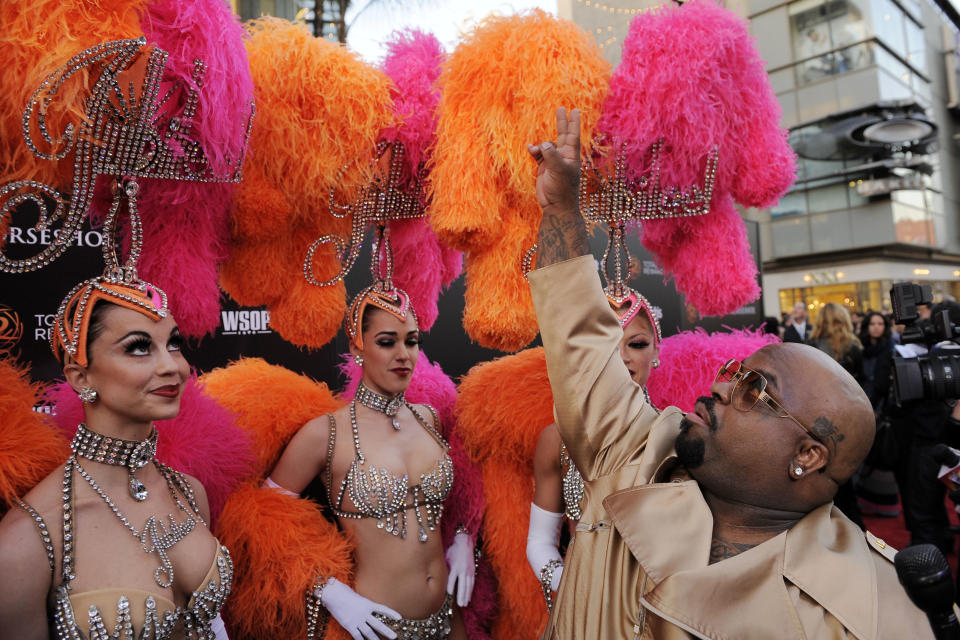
(434, 627)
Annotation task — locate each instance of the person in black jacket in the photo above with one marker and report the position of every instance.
(797, 328)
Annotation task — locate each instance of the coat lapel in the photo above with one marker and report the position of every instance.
(668, 527)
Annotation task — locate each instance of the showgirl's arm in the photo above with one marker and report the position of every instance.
(547, 475)
(305, 457)
(25, 579)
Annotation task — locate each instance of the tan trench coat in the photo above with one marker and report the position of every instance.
(639, 565)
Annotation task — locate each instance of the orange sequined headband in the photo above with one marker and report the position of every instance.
(72, 322)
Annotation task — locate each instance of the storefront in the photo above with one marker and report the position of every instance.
(857, 286)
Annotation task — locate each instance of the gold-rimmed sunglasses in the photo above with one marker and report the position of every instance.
(749, 389)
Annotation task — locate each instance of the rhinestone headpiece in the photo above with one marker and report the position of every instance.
(135, 125)
(612, 192)
(388, 197)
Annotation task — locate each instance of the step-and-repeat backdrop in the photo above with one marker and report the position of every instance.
(28, 301)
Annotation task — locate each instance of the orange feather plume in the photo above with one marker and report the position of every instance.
(319, 112)
(501, 437)
(30, 447)
(500, 90)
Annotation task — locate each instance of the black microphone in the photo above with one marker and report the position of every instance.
(944, 455)
(925, 576)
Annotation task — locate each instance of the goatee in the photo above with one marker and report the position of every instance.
(690, 449)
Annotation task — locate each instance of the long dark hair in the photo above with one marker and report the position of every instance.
(865, 338)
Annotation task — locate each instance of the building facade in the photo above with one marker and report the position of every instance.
(868, 90)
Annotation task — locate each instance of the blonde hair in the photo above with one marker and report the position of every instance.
(834, 326)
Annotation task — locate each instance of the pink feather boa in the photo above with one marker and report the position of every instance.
(689, 362)
(690, 74)
(186, 224)
(430, 385)
(423, 265)
(202, 441)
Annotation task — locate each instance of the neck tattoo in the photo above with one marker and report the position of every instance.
(721, 549)
(132, 454)
(378, 402)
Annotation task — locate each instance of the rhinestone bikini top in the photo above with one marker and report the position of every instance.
(111, 614)
(377, 493)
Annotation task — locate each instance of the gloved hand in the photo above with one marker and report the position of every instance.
(543, 539)
(355, 613)
(462, 570)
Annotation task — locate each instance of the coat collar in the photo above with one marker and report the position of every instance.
(668, 529)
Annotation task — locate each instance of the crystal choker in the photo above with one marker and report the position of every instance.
(381, 403)
(131, 454)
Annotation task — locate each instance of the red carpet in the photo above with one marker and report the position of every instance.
(894, 532)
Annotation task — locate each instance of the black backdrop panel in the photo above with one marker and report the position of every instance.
(28, 301)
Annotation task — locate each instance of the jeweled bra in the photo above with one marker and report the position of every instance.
(195, 620)
(378, 494)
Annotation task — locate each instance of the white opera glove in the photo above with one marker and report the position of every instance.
(463, 572)
(218, 629)
(543, 542)
(269, 483)
(354, 612)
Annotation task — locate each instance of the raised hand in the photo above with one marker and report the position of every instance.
(563, 233)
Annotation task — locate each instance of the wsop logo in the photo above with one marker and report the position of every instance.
(245, 322)
(11, 329)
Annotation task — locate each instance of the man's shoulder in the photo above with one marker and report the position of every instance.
(898, 615)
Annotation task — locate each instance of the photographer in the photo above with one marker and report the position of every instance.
(922, 423)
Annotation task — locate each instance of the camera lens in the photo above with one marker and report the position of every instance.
(941, 376)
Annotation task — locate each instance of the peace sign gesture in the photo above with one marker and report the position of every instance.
(563, 233)
(558, 164)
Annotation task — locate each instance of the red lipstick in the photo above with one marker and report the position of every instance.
(168, 391)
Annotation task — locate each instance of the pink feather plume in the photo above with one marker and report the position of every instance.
(689, 362)
(430, 385)
(186, 224)
(422, 264)
(202, 441)
(691, 75)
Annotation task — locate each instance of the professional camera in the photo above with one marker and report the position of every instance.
(934, 374)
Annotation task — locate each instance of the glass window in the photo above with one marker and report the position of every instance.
(911, 225)
(791, 204)
(916, 50)
(828, 198)
(887, 19)
(791, 236)
(848, 24)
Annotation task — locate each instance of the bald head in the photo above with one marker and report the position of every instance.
(827, 399)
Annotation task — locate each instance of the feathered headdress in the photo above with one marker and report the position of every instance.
(319, 109)
(159, 117)
(692, 125)
(499, 88)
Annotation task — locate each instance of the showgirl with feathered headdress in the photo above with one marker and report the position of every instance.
(116, 542)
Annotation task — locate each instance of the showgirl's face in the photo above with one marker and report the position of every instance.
(390, 351)
(135, 366)
(638, 348)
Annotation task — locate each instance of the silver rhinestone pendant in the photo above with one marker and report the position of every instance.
(138, 490)
(396, 424)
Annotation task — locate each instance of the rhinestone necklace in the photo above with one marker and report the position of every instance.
(155, 537)
(132, 454)
(383, 404)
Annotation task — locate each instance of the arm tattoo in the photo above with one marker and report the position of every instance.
(561, 237)
(828, 432)
(721, 549)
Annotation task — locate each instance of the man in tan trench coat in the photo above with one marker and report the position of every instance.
(717, 524)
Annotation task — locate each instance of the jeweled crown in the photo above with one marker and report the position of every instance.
(135, 125)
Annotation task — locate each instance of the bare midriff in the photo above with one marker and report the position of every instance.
(404, 574)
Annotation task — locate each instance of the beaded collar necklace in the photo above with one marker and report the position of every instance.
(383, 404)
(132, 454)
